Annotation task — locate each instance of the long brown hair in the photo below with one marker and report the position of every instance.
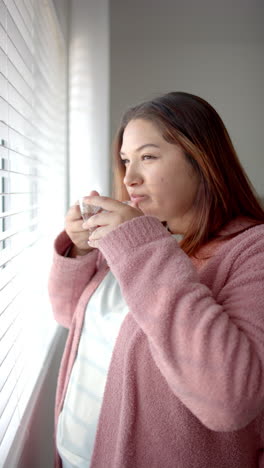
(225, 191)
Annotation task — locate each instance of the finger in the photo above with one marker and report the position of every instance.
(76, 227)
(99, 219)
(100, 232)
(134, 204)
(74, 213)
(85, 198)
(94, 244)
(80, 237)
(106, 203)
(94, 193)
(83, 244)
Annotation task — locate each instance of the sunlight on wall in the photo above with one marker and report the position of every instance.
(89, 100)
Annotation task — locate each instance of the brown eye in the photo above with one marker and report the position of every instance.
(148, 156)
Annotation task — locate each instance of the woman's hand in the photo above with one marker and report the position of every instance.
(105, 222)
(75, 231)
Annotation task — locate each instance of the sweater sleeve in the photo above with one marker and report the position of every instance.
(68, 278)
(209, 347)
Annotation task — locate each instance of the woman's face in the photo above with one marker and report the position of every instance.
(159, 172)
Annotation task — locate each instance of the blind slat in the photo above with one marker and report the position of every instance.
(9, 254)
(8, 341)
(32, 169)
(12, 232)
(18, 61)
(18, 40)
(9, 313)
(18, 81)
(7, 367)
(25, 15)
(15, 212)
(7, 406)
(18, 19)
(6, 278)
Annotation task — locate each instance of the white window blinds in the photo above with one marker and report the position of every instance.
(32, 177)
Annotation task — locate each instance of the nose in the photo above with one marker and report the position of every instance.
(132, 176)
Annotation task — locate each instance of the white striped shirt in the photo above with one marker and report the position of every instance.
(79, 417)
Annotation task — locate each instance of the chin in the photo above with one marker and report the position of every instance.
(149, 211)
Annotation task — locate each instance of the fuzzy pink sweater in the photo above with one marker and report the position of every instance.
(185, 388)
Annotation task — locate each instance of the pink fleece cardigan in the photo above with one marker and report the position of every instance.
(185, 388)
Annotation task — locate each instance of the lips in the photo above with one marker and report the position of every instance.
(137, 197)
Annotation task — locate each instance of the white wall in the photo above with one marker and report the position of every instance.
(89, 98)
(206, 47)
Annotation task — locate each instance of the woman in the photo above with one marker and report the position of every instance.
(164, 363)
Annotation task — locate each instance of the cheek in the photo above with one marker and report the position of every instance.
(164, 189)
(167, 185)
(162, 182)
(157, 184)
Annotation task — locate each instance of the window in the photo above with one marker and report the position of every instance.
(33, 200)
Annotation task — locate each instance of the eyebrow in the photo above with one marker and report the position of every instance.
(141, 147)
